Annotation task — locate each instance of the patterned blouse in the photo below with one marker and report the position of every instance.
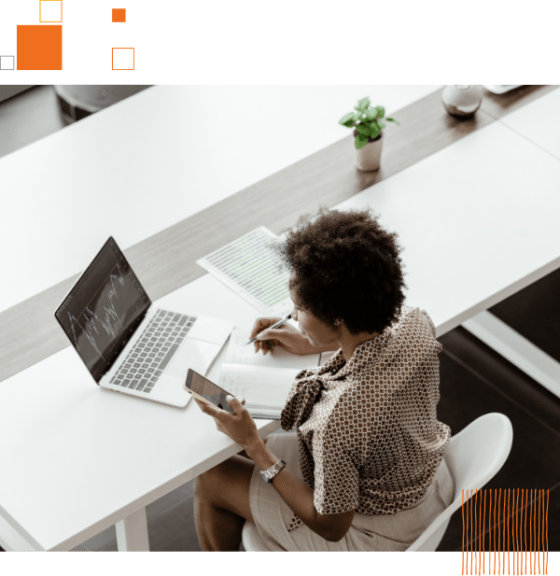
(367, 430)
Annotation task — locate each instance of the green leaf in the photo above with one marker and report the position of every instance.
(392, 120)
(360, 141)
(363, 130)
(363, 104)
(382, 124)
(348, 119)
(371, 114)
(380, 111)
(374, 130)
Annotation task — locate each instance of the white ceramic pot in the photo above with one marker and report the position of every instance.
(368, 158)
(461, 100)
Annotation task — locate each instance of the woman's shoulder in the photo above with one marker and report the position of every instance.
(414, 330)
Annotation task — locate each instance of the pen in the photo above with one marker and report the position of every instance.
(277, 325)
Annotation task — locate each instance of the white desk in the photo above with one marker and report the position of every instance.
(152, 160)
(66, 193)
(81, 458)
(495, 198)
(536, 123)
(472, 193)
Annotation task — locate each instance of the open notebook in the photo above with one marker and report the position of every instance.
(263, 381)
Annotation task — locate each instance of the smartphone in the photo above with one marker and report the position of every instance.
(206, 391)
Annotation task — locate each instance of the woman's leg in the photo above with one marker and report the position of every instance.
(221, 504)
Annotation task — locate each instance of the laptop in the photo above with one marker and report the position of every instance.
(127, 344)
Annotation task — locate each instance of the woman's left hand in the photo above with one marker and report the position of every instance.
(239, 425)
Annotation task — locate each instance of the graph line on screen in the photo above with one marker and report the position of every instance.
(252, 269)
(90, 317)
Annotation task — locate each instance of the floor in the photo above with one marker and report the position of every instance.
(474, 380)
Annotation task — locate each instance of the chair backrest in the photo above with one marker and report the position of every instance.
(473, 457)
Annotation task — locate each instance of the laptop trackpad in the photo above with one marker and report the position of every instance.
(193, 354)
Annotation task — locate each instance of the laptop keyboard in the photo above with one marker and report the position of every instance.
(159, 341)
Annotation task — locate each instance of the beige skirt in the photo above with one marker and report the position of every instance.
(380, 533)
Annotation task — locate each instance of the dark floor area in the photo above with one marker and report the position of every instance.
(474, 381)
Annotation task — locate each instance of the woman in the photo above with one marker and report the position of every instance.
(364, 468)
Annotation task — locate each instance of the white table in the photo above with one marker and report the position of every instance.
(152, 160)
(472, 193)
(84, 458)
(495, 198)
(64, 195)
(536, 123)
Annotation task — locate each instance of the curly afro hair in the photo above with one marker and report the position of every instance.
(345, 266)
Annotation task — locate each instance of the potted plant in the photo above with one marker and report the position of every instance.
(367, 123)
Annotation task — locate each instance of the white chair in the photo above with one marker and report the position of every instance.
(473, 457)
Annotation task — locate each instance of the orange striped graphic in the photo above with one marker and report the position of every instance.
(506, 530)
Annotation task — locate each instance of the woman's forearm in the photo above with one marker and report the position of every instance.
(299, 497)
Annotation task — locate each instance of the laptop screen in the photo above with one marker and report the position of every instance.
(103, 309)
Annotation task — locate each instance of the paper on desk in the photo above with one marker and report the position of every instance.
(253, 271)
(265, 390)
(239, 353)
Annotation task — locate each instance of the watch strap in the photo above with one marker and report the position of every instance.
(269, 474)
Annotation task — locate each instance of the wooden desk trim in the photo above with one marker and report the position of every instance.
(166, 261)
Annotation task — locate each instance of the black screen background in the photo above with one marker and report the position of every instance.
(103, 309)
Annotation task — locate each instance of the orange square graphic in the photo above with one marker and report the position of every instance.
(39, 47)
(41, 21)
(119, 14)
(122, 48)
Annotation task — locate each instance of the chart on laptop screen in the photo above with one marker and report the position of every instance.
(102, 309)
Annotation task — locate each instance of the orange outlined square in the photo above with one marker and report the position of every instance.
(119, 14)
(122, 69)
(123, 59)
(41, 21)
(39, 47)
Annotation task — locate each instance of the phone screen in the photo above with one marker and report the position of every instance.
(206, 390)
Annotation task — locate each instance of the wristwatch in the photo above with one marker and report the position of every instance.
(269, 474)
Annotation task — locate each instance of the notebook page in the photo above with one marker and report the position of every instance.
(239, 353)
(259, 386)
(254, 271)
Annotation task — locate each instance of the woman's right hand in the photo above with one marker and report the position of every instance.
(286, 336)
